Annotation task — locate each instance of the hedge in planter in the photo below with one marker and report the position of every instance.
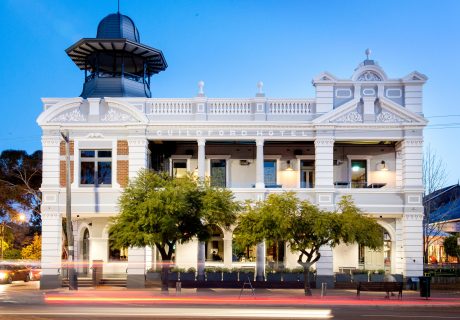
(229, 275)
(189, 275)
(213, 274)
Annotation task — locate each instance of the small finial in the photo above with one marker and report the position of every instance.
(200, 88)
(368, 53)
(260, 87)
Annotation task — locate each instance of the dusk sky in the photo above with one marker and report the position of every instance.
(231, 45)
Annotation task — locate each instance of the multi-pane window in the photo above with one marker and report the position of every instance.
(96, 167)
(270, 173)
(218, 173)
(307, 173)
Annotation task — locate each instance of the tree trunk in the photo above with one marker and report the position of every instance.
(306, 276)
(165, 274)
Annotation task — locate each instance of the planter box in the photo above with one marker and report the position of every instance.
(291, 277)
(274, 277)
(173, 276)
(398, 277)
(244, 276)
(377, 277)
(153, 276)
(361, 277)
(342, 277)
(311, 277)
(214, 276)
(230, 276)
(187, 276)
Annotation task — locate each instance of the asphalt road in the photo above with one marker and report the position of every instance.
(24, 301)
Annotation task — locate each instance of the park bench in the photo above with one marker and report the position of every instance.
(381, 287)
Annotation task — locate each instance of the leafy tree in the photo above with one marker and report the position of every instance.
(12, 254)
(305, 227)
(156, 209)
(451, 247)
(34, 250)
(20, 181)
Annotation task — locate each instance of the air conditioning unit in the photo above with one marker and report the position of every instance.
(245, 162)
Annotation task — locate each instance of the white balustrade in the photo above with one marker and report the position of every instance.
(290, 107)
(169, 107)
(229, 107)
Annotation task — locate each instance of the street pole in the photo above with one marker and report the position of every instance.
(73, 282)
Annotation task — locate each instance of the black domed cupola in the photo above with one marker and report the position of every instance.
(116, 64)
(117, 26)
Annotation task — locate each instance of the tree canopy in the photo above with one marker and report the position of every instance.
(156, 209)
(20, 181)
(283, 217)
(34, 250)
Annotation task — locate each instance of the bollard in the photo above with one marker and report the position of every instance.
(178, 287)
(323, 289)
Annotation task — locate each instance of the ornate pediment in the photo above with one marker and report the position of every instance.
(369, 76)
(73, 115)
(350, 117)
(116, 115)
(390, 117)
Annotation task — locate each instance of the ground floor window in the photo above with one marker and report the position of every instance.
(270, 173)
(116, 253)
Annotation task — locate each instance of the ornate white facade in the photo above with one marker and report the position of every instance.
(369, 122)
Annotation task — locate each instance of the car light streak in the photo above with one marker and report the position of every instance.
(124, 297)
(200, 313)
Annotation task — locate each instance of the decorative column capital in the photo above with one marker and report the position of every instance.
(51, 141)
(137, 142)
(201, 142)
(413, 142)
(324, 142)
(260, 142)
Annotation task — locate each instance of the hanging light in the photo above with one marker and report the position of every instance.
(383, 166)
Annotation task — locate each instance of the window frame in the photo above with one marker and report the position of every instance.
(95, 161)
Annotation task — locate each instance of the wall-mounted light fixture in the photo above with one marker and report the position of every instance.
(383, 166)
(288, 166)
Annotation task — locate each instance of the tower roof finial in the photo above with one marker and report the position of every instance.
(118, 6)
(368, 53)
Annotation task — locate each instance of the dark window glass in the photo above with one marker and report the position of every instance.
(104, 154)
(218, 173)
(104, 173)
(87, 173)
(307, 173)
(270, 173)
(87, 153)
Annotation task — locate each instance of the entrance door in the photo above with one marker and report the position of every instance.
(307, 173)
(85, 251)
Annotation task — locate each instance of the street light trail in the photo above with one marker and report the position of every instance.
(200, 313)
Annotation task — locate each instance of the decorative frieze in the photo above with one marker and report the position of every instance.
(350, 117)
(369, 76)
(388, 117)
(74, 115)
(114, 115)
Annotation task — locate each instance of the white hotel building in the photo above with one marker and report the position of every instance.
(361, 136)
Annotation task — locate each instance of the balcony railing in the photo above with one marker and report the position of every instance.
(212, 109)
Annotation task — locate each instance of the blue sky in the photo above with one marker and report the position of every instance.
(232, 44)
